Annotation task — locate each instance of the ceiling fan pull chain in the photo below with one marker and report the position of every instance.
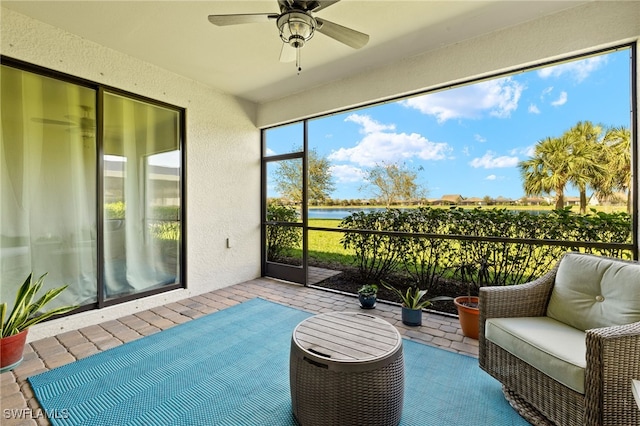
(298, 64)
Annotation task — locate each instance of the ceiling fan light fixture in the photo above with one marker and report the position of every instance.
(296, 28)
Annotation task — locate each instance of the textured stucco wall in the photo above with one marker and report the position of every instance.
(223, 156)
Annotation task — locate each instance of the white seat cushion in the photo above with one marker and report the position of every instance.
(550, 346)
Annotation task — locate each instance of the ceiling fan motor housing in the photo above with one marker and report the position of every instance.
(296, 27)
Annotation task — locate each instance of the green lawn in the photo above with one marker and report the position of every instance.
(325, 246)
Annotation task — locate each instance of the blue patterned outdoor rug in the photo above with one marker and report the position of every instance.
(232, 368)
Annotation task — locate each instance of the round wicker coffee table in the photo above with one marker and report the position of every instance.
(346, 368)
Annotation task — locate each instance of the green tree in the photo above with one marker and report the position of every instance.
(288, 178)
(584, 153)
(393, 182)
(617, 156)
(574, 158)
(546, 171)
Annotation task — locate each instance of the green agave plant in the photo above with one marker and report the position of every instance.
(412, 297)
(25, 311)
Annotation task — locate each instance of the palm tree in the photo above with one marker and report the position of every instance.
(574, 158)
(583, 159)
(546, 171)
(617, 156)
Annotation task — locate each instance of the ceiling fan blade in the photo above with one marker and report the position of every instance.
(287, 53)
(248, 18)
(345, 35)
(54, 122)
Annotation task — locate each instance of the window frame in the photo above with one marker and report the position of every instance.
(100, 90)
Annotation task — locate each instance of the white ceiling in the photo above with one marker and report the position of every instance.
(243, 60)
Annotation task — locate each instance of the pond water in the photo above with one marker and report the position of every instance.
(342, 212)
(339, 213)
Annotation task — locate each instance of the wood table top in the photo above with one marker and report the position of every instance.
(347, 337)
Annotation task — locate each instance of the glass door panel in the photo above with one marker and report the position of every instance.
(142, 196)
(48, 186)
(284, 220)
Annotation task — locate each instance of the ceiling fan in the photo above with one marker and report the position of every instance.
(85, 123)
(297, 24)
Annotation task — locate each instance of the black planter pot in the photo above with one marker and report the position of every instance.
(412, 317)
(367, 302)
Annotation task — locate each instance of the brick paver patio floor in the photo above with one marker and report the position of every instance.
(19, 407)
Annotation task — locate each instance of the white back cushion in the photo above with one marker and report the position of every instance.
(593, 291)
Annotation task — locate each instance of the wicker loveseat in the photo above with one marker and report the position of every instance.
(567, 345)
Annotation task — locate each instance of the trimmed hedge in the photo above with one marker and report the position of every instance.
(479, 262)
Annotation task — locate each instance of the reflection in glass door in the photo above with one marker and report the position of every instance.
(142, 197)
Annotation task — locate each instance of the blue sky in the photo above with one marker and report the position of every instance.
(468, 140)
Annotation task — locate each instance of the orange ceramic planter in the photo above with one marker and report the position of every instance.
(11, 349)
(469, 317)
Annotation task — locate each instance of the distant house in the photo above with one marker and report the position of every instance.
(571, 201)
(616, 199)
(449, 199)
(503, 201)
(534, 201)
(472, 201)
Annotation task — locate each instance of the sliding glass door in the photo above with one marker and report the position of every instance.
(91, 186)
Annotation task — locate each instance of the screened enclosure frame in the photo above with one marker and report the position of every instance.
(294, 273)
(635, 163)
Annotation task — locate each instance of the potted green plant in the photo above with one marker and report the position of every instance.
(25, 313)
(368, 295)
(412, 303)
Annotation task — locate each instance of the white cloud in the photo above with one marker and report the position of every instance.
(579, 70)
(391, 147)
(533, 109)
(491, 177)
(270, 151)
(527, 151)
(545, 92)
(490, 161)
(345, 173)
(479, 138)
(380, 145)
(497, 98)
(368, 124)
(562, 99)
